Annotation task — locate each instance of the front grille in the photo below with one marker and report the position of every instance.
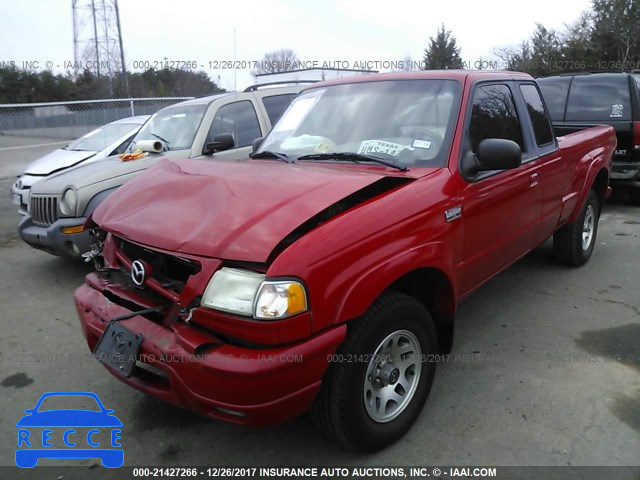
(172, 272)
(44, 210)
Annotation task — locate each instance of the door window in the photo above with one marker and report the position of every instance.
(494, 115)
(240, 120)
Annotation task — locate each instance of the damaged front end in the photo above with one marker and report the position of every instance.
(97, 238)
(201, 359)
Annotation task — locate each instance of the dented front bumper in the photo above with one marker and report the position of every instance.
(191, 367)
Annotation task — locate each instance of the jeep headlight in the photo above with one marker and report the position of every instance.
(69, 202)
(248, 293)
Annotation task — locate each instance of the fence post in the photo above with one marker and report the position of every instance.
(133, 112)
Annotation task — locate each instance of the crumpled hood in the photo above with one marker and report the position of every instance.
(57, 160)
(229, 210)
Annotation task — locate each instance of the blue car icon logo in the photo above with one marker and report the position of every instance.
(69, 433)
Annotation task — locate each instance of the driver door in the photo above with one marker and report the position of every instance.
(501, 209)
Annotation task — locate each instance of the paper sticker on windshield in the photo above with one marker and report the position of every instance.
(421, 144)
(616, 110)
(297, 112)
(322, 148)
(378, 146)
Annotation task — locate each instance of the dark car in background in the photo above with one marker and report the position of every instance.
(584, 99)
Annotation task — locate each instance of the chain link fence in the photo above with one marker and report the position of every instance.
(68, 120)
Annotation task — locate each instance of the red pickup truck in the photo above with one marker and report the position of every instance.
(324, 273)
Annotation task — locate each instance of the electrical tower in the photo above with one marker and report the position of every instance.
(97, 40)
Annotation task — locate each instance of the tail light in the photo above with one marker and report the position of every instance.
(636, 135)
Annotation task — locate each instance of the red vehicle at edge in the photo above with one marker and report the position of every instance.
(324, 272)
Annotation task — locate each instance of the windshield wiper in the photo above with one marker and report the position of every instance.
(167, 142)
(352, 157)
(269, 154)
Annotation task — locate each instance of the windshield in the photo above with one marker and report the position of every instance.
(408, 122)
(100, 138)
(176, 126)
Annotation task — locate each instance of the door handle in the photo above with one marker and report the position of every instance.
(534, 179)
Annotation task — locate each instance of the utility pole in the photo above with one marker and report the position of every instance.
(122, 63)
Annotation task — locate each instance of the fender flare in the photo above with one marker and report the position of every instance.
(597, 164)
(368, 287)
(96, 200)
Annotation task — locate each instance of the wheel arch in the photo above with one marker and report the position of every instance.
(600, 184)
(429, 282)
(597, 178)
(432, 287)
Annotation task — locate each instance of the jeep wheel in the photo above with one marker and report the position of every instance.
(573, 243)
(377, 387)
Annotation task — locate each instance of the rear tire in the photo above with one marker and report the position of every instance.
(573, 244)
(380, 381)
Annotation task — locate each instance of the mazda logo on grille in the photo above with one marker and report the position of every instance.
(138, 273)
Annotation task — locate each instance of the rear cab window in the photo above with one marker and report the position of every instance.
(542, 130)
(599, 98)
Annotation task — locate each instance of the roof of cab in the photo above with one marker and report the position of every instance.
(202, 100)
(210, 98)
(460, 75)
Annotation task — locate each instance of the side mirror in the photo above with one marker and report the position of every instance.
(497, 154)
(255, 145)
(221, 142)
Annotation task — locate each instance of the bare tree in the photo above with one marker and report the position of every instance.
(407, 64)
(277, 61)
(517, 58)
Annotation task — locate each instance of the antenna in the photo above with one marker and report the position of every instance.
(235, 88)
(235, 76)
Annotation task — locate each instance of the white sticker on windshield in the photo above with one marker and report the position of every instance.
(616, 110)
(421, 144)
(378, 146)
(297, 112)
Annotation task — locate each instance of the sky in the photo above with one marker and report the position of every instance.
(340, 31)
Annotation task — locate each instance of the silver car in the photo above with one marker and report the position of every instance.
(222, 127)
(110, 139)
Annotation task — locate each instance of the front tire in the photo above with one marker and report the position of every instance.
(573, 244)
(380, 381)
